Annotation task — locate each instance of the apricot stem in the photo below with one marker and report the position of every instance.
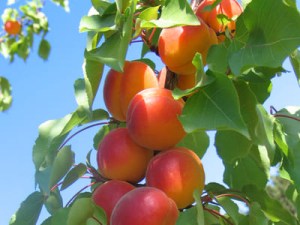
(78, 132)
(273, 112)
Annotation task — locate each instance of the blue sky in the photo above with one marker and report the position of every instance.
(44, 90)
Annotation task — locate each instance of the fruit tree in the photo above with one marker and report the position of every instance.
(218, 59)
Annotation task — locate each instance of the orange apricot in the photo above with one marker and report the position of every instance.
(152, 119)
(145, 206)
(120, 87)
(229, 8)
(120, 158)
(108, 194)
(186, 81)
(12, 27)
(177, 46)
(178, 172)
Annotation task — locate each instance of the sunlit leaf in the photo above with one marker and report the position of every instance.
(174, 13)
(54, 202)
(29, 211)
(44, 49)
(81, 210)
(97, 23)
(214, 107)
(5, 94)
(295, 61)
(261, 37)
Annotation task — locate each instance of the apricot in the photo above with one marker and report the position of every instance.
(152, 119)
(120, 158)
(12, 27)
(228, 8)
(108, 194)
(120, 87)
(178, 172)
(145, 206)
(177, 46)
(186, 81)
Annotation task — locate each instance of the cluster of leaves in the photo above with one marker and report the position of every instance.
(228, 99)
(34, 23)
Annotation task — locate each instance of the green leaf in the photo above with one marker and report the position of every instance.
(93, 71)
(97, 23)
(73, 175)
(62, 3)
(263, 38)
(5, 94)
(256, 216)
(230, 208)
(231, 145)
(214, 107)
(29, 211)
(198, 141)
(113, 51)
(60, 217)
(252, 169)
(100, 215)
(272, 208)
(295, 61)
(81, 97)
(44, 49)
(62, 164)
(289, 118)
(174, 13)
(100, 5)
(199, 207)
(187, 217)
(100, 135)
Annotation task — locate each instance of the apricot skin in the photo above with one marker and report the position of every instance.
(120, 158)
(108, 194)
(120, 87)
(229, 8)
(177, 46)
(178, 172)
(145, 206)
(152, 119)
(13, 27)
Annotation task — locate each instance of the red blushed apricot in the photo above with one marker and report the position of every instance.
(108, 194)
(120, 158)
(178, 172)
(177, 46)
(228, 8)
(152, 119)
(12, 27)
(145, 206)
(119, 88)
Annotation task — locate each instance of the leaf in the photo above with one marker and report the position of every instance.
(100, 135)
(263, 38)
(230, 208)
(60, 217)
(100, 215)
(97, 23)
(199, 207)
(214, 107)
(93, 71)
(29, 211)
(73, 175)
(174, 13)
(5, 94)
(113, 51)
(256, 216)
(272, 208)
(252, 169)
(62, 3)
(81, 97)
(295, 61)
(231, 146)
(187, 217)
(100, 5)
(198, 141)
(44, 49)
(81, 210)
(62, 164)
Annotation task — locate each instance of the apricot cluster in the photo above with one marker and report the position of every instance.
(145, 170)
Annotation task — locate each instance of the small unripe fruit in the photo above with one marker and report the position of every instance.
(108, 194)
(12, 27)
(178, 172)
(145, 206)
(120, 158)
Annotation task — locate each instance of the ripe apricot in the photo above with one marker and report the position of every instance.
(12, 27)
(178, 172)
(108, 194)
(228, 8)
(119, 88)
(145, 206)
(177, 46)
(186, 81)
(152, 119)
(120, 158)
